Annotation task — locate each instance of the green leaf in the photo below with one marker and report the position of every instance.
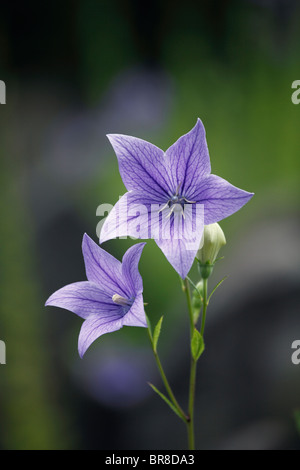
(173, 408)
(157, 333)
(215, 288)
(197, 345)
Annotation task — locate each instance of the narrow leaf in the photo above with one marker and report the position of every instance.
(215, 288)
(173, 408)
(157, 333)
(197, 345)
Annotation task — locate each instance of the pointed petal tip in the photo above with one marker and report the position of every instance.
(248, 195)
(49, 301)
(86, 241)
(81, 352)
(141, 244)
(85, 237)
(113, 137)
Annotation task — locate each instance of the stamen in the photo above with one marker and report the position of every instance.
(189, 202)
(176, 200)
(171, 212)
(164, 207)
(118, 299)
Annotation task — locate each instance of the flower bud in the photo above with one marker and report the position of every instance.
(212, 240)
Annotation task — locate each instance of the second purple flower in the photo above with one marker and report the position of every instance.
(111, 297)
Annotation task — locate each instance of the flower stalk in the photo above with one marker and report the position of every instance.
(193, 370)
(168, 388)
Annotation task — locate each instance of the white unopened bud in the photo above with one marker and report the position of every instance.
(212, 241)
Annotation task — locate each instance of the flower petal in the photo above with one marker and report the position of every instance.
(102, 268)
(181, 241)
(189, 159)
(95, 326)
(83, 298)
(220, 198)
(130, 270)
(141, 164)
(136, 315)
(128, 218)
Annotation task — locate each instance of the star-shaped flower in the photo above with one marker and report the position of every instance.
(111, 297)
(171, 195)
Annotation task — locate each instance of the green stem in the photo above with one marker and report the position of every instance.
(205, 303)
(193, 367)
(165, 381)
(189, 304)
(192, 384)
(190, 424)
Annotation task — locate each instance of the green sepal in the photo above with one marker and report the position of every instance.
(197, 345)
(206, 270)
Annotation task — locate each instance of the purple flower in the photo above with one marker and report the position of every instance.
(171, 195)
(112, 296)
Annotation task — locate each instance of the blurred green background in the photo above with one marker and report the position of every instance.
(75, 71)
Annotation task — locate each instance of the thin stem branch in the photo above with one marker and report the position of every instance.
(165, 381)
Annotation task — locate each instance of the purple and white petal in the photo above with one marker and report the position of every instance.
(178, 256)
(128, 218)
(130, 270)
(141, 164)
(83, 298)
(220, 198)
(102, 268)
(180, 240)
(95, 326)
(136, 315)
(188, 159)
